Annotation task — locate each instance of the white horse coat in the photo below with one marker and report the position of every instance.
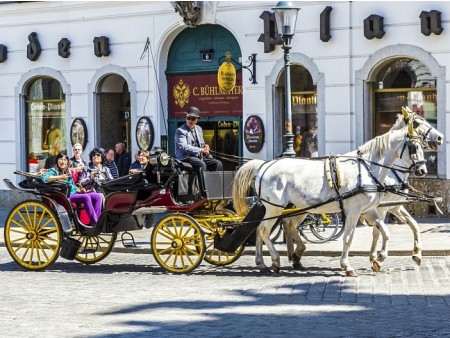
(302, 182)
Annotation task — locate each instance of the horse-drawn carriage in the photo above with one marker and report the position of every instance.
(39, 230)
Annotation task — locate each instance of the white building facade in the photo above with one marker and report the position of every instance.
(85, 65)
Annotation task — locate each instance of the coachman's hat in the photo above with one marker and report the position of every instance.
(193, 111)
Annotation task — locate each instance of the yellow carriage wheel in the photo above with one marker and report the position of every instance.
(33, 235)
(215, 256)
(94, 248)
(177, 243)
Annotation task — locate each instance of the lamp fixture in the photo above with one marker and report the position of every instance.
(286, 19)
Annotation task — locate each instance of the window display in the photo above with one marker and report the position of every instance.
(45, 121)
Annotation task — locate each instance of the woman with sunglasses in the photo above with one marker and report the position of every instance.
(96, 173)
(190, 147)
(91, 201)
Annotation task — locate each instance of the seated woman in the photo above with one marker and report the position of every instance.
(92, 201)
(145, 167)
(95, 174)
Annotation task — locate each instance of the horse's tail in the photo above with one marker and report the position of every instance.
(241, 185)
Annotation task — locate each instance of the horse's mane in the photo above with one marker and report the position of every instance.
(399, 123)
(377, 145)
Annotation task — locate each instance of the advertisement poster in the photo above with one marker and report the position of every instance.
(203, 92)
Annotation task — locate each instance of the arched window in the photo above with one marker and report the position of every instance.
(405, 82)
(304, 112)
(45, 123)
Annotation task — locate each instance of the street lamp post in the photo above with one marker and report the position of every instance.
(286, 18)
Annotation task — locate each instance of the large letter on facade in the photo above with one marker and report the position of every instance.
(325, 24)
(373, 27)
(3, 53)
(101, 46)
(270, 37)
(33, 48)
(64, 48)
(430, 22)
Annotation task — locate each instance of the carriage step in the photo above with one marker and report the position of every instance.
(149, 210)
(131, 243)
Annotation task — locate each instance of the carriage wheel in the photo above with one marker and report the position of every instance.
(177, 243)
(215, 256)
(94, 248)
(33, 235)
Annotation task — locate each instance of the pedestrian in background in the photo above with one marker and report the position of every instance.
(122, 159)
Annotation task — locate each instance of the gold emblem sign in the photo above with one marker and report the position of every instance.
(181, 94)
(226, 75)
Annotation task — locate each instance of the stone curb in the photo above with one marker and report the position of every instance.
(283, 252)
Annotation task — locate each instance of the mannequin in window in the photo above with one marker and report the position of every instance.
(52, 143)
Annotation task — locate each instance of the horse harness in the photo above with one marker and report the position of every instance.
(334, 181)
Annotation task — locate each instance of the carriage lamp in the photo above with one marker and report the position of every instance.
(286, 18)
(159, 158)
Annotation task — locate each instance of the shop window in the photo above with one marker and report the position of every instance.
(304, 112)
(45, 122)
(406, 82)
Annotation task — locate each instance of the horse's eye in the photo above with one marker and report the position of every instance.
(415, 124)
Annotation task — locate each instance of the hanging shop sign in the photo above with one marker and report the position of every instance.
(226, 75)
(203, 92)
(254, 134)
(144, 133)
(78, 132)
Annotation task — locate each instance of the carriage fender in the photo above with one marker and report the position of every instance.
(62, 215)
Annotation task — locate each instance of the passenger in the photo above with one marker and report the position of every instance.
(92, 201)
(190, 147)
(109, 162)
(136, 164)
(76, 161)
(122, 159)
(144, 165)
(96, 173)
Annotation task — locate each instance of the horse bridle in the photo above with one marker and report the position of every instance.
(412, 143)
(417, 127)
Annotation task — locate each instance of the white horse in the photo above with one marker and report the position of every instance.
(431, 138)
(302, 183)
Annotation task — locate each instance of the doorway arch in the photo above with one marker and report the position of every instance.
(274, 102)
(113, 102)
(192, 65)
(366, 82)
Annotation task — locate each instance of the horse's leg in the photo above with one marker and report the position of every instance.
(376, 266)
(290, 230)
(403, 215)
(349, 229)
(263, 237)
(259, 259)
(374, 217)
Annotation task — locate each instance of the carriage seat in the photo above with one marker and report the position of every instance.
(38, 184)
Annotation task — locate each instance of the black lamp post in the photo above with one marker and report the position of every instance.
(286, 18)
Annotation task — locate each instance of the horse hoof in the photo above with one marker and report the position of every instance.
(351, 273)
(376, 266)
(417, 259)
(298, 266)
(265, 270)
(276, 269)
(381, 257)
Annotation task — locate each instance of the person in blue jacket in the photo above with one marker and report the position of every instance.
(190, 147)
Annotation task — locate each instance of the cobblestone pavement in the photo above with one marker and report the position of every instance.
(130, 295)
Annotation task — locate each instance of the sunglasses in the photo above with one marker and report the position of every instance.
(97, 155)
(191, 118)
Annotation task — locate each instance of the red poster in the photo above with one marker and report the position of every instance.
(203, 92)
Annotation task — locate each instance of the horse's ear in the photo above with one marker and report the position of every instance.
(405, 113)
(411, 131)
